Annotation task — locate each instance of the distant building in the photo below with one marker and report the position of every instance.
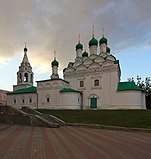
(3, 97)
(91, 81)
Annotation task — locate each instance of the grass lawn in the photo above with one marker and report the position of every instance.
(123, 118)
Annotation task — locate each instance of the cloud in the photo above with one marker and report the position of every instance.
(54, 25)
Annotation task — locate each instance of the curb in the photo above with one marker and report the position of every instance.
(97, 126)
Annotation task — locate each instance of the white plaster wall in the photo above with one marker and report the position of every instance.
(63, 100)
(48, 89)
(93, 49)
(79, 53)
(55, 69)
(57, 100)
(53, 95)
(130, 100)
(103, 48)
(73, 82)
(19, 97)
(3, 98)
(105, 92)
(109, 88)
(70, 100)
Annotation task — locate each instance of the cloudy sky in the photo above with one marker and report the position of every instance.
(47, 25)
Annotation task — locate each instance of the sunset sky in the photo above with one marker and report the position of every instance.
(48, 25)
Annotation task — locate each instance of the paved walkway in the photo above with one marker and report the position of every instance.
(22, 142)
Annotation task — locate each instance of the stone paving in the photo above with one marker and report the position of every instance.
(23, 142)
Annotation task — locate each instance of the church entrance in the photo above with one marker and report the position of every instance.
(93, 102)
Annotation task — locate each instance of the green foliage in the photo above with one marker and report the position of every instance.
(123, 118)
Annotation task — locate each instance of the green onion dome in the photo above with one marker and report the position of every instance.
(79, 46)
(85, 54)
(93, 41)
(54, 63)
(108, 49)
(103, 40)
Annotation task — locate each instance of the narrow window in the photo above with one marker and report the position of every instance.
(96, 82)
(48, 100)
(14, 101)
(30, 100)
(31, 78)
(20, 78)
(81, 83)
(26, 77)
(23, 101)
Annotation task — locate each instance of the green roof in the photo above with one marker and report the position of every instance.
(85, 54)
(69, 90)
(123, 86)
(93, 41)
(116, 62)
(79, 46)
(54, 63)
(103, 40)
(24, 90)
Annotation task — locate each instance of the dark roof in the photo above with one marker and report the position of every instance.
(69, 90)
(123, 86)
(24, 90)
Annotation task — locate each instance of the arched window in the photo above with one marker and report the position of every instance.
(30, 99)
(96, 82)
(22, 99)
(81, 83)
(47, 98)
(26, 77)
(14, 100)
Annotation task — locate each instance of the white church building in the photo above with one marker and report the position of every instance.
(91, 81)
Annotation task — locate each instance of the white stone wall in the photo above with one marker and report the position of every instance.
(103, 48)
(106, 93)
(30, 100)
(55, 70)
(93, 49)
(3, 97)
(79, 53)
(71, 100)
(130, 100)
(108, 80)
(57, 100)
(48, 93)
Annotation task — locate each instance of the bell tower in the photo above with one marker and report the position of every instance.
(25, 74)
(54, 65)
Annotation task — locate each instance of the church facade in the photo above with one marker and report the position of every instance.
(91, 81)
